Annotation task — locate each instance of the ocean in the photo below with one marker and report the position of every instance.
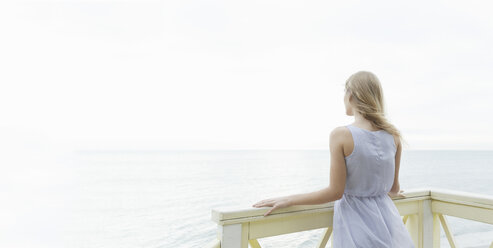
(158, 199)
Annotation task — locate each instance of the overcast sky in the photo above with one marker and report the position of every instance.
(240, 75)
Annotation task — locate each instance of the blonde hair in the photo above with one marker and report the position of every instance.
(367, 92)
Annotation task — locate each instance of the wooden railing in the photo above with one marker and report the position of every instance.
(423, 211)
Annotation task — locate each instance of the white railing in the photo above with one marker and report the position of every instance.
(423, 211)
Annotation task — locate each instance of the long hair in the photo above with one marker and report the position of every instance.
(368, 95)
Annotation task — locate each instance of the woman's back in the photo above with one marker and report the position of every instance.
(371, 165)
(365, 216)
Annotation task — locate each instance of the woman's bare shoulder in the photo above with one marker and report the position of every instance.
(341, 135)
(343, 138)
(340, 131)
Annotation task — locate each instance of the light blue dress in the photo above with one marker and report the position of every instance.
(366, 216)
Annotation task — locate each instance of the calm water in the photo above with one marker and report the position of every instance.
(164, 199)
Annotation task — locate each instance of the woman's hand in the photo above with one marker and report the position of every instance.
(396, 194)
(278, 202)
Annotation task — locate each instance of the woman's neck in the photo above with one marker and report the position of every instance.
(360, 121)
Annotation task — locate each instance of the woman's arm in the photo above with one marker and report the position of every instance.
(337, 175)
(396, 191)
(328, 194)
(396, 186)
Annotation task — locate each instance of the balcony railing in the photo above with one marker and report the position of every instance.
(423, 211)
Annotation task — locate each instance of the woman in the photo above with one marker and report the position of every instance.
(364, 173)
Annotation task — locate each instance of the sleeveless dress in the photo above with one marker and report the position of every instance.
(366, 216)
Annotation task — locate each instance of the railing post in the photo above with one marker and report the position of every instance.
(430, 225)
(436, 231)
(233, 236)
(421, 226)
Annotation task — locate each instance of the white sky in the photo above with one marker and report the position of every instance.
(239, 75)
